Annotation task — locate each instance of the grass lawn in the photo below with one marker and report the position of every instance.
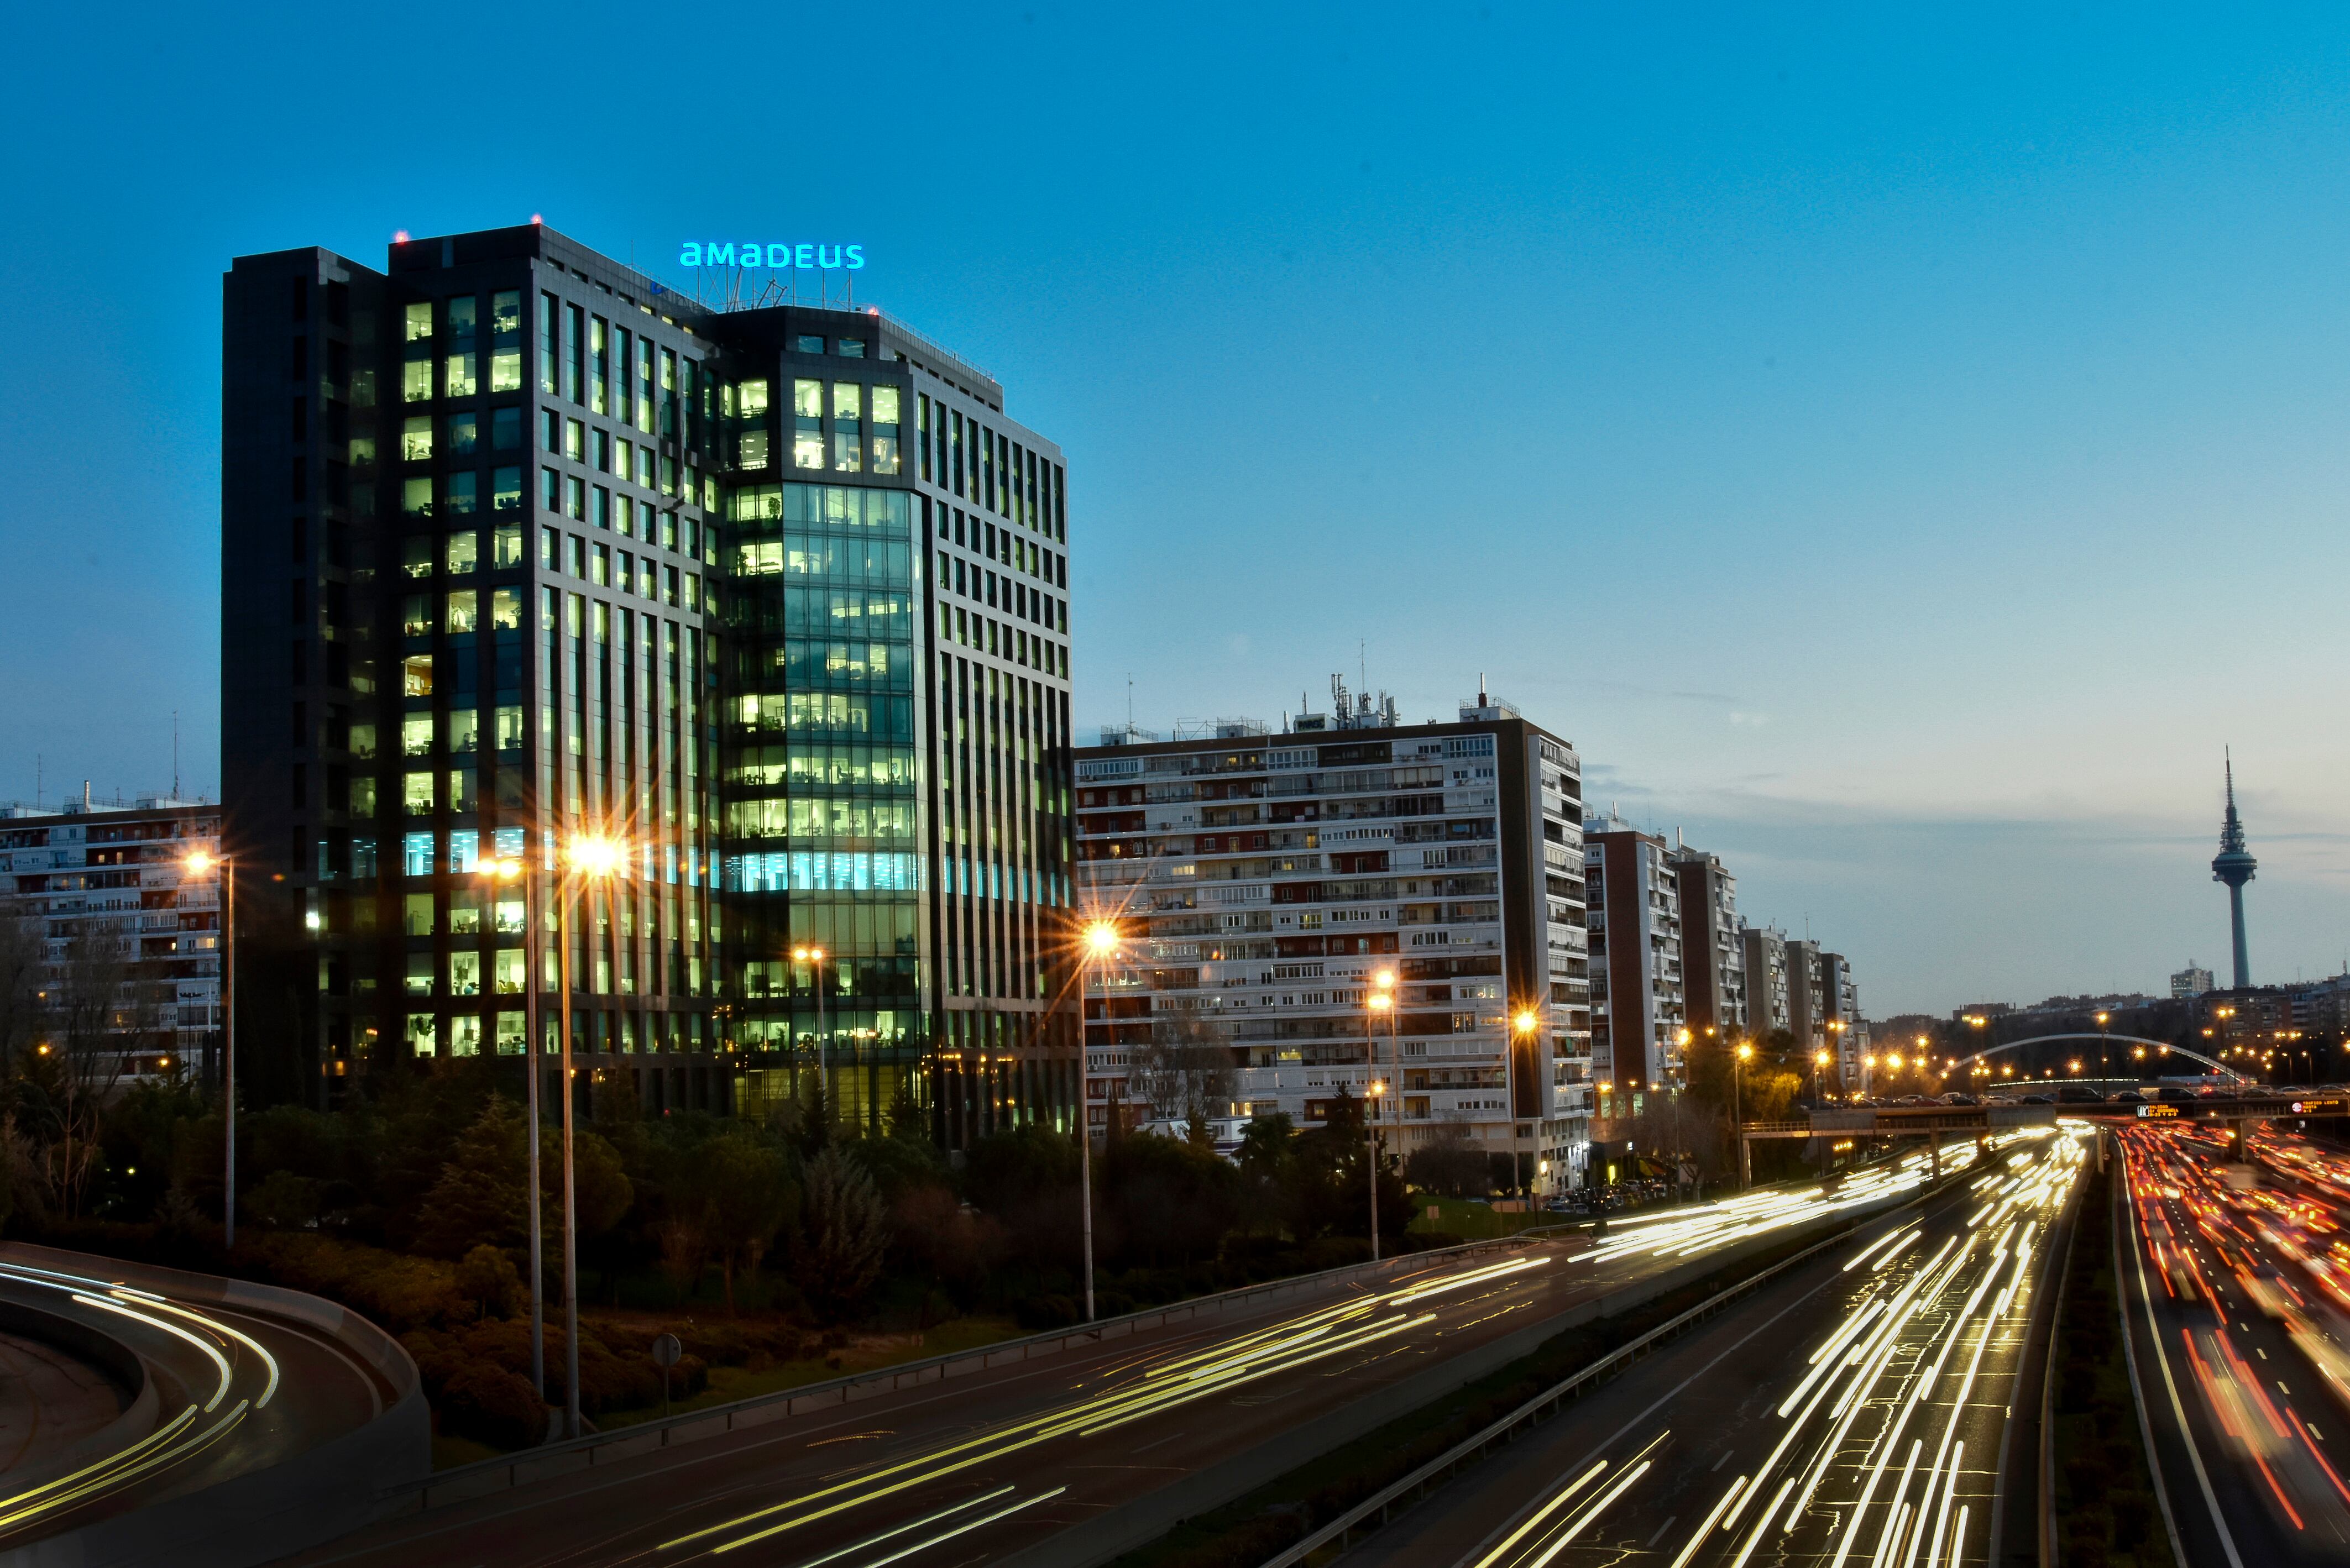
(448, 1453)
(1472, 1222)
(865, 1352)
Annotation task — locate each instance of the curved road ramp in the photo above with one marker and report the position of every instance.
(150, 1416)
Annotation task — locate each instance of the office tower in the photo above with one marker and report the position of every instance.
(524, 551)
(1266, 882)
(2192, 981)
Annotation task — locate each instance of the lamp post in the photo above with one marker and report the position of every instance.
(516, 871)
(1737, 1065)
(1381, 1000)
(593, 859)
(1101, 944)
(1522, 1024)
(1819, 1064)
(199, 863)
(814, 956)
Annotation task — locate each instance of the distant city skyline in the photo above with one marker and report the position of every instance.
(1840, 431)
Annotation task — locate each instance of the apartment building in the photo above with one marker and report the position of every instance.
(1768, 988)
(1266, 882)
(1713, 958)
(1639, 1000)
(134, 888)
(523, 549)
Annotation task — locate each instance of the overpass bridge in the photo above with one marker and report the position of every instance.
(1935, 1121)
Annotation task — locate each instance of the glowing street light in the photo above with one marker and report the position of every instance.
(814, 956)
(198, 863)
(1375, 1002)
(1099, 941)
(591, 858)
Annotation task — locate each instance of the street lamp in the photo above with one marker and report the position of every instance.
(1737, 1063)
(513, 871)
(198, 863)
(812, 955)
(592, 860)
(1100, 945)
(1819, 1064)
(1525, 1021)
(1378, 1001)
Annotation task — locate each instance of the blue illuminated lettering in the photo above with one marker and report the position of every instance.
(773, 255)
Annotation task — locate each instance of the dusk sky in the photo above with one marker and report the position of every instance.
(1899, 453)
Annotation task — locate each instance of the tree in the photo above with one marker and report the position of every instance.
(23, 954)
(480, 1195)
(487, 1277)
(94, 1020)
(1168, 1200)
(843, 1234)
(742, 1190)
(1452, 1167)
(1185, 1070)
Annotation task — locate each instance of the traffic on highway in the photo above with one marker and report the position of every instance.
(2237, 1297)
(232, 1391)
(995, 1467)
(1850, 1412)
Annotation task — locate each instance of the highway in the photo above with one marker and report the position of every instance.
(1850, 1411)
(1006, 1461)
(2240, 1324)
(233, 1391)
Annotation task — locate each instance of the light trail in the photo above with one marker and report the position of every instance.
(1867, 1465)
(1286, 1347)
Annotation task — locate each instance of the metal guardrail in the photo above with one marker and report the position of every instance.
(528, 1465)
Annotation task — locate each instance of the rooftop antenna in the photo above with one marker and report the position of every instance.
(1481, 691)
(175, 753)
(36, 805)
(1129, 699)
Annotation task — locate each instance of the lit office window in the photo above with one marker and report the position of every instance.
(418, 321)
(416, 439)
(885, 430)
(463, 552)
(464, 613)
(807, 424)
(848, 427)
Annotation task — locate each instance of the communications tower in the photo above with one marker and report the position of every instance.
(2235, 865)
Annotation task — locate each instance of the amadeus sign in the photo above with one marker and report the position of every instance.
(751, 253)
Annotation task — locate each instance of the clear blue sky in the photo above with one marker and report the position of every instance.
(1899, 452)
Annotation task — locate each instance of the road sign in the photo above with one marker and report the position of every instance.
(2158, 1110)
(2328, 1107)
(666, 1350)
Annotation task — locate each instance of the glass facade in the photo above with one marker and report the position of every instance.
(823, 826)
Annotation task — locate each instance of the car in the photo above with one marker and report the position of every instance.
(2077, 1094)
(2125, 1097)
(1959, 1097)
(2038, 1100)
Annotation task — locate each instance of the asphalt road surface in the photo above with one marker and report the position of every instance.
(1849, 1412)
(987, 1467)
(2235, 1300)
(237, 1391)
